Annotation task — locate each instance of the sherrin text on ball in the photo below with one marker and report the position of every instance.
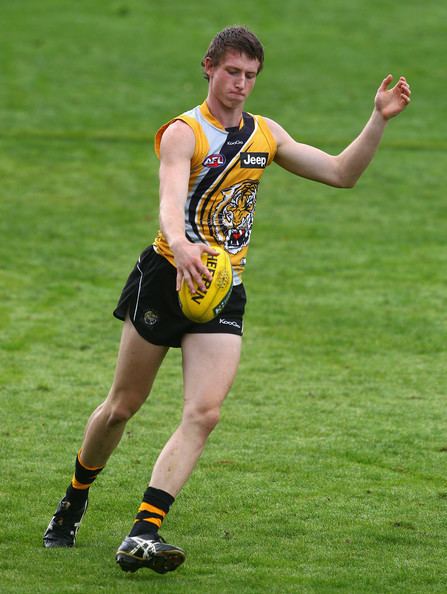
(203, 306)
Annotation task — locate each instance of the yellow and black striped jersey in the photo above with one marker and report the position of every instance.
(226, 168)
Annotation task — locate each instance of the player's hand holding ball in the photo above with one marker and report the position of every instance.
(210, 295)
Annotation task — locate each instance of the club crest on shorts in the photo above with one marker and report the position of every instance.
(151, 317)
(232, 219)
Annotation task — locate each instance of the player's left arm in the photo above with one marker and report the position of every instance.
(343, 170)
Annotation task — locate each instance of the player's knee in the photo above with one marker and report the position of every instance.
(206, 418)
(118, 414)
(120, 410)
(211, 419)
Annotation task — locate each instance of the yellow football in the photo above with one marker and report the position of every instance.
(203, 306)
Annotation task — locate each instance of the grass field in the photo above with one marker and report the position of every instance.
(327, 473)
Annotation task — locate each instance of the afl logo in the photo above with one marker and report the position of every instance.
(215, 160)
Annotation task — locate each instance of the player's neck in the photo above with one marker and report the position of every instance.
(229, 117)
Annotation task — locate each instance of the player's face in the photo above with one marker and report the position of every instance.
(232, 80)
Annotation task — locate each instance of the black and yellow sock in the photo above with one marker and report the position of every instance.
(152, 511)
(83, 477)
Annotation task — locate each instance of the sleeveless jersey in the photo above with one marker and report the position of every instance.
(226, 168)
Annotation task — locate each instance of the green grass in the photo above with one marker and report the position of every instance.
(327, 473)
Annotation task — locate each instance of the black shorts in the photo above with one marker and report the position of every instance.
(151, 299)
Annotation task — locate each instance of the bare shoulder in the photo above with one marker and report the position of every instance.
(277, 130)
(178, 138)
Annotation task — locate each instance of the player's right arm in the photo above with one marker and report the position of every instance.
(176, 151)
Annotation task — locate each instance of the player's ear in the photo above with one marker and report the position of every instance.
(208, 65)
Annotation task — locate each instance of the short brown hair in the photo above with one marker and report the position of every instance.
(237, 38)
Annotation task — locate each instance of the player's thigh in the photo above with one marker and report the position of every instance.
(137, 365)
(210, 363)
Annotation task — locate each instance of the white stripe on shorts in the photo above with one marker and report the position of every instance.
(139, 289)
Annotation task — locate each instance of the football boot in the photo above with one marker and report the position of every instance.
(148, 550)
(64, 525)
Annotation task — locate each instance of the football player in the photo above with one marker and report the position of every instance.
(212, 158)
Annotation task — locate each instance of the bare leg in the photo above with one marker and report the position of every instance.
(210, 362)
(137, 365)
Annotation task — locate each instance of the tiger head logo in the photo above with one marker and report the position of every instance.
(232, 219)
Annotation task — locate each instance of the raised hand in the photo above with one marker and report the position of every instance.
(390, 102)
